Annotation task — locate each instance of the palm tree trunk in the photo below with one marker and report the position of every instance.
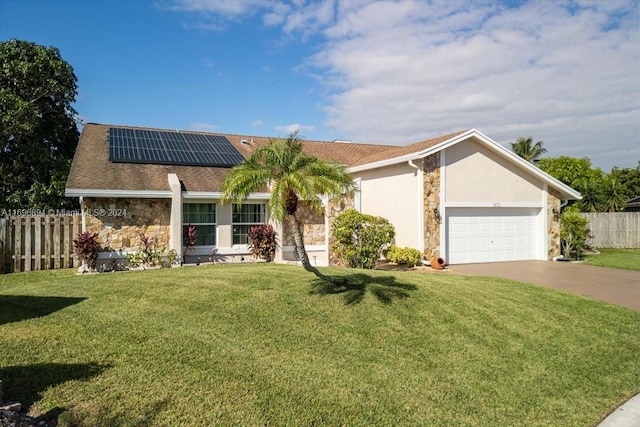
(304, 258)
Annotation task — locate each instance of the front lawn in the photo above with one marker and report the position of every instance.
(258, 344)
(628, 259)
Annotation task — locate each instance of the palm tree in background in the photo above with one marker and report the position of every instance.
(615, 197)
(525, 148)
(291, 176)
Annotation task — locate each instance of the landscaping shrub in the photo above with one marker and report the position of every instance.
(573, 233)
(361, 238)
(263, 241)
(86, 248)
(148, 255)
(404, 256)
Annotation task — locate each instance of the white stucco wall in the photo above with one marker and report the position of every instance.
(393, 192)
(475, 174)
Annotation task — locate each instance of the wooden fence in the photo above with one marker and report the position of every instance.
(38, 242)
(614, 229)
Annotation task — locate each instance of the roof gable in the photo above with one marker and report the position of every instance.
(426, 148)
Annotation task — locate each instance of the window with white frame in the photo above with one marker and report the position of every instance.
(203, 217)
(244, 217)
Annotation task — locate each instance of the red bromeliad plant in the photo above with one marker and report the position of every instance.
(263, 241)
(190, 237)
(146, 242)
(86, 248)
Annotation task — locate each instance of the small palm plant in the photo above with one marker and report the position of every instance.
(291, 175)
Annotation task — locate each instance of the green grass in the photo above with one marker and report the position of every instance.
(628, 259)
(268, 345)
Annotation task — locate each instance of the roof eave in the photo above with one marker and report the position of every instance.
(94, 192)
(411, 156)
(566, 192)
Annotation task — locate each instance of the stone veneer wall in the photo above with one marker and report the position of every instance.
(553, 202)
(119, 221)
(334, 210)
(312, 223)
(431, 182)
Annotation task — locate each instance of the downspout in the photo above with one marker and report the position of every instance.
(420, 205)
(82, 214)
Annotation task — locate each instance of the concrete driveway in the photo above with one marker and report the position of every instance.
(620, 287)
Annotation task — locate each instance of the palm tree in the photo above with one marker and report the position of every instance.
(525, 148)
(291, 176)
(615, 197)
(593, 197)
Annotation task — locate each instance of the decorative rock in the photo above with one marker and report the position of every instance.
(84, 269)
(10, 416)
(11, 406)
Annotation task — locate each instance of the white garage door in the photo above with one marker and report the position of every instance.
(491, 234)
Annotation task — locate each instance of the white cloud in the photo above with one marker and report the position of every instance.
(566, 73)
(221, 7)
(403, 72)
(204, 127)
(257, 123)
(288, 129)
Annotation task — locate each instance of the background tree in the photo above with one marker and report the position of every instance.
(629, 179)
(525, 148)
(593, 195)
(570, 170)
(600, 191)
(614, 196)
(291, 176)
(38, 132)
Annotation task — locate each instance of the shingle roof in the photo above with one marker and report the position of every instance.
(91, 168)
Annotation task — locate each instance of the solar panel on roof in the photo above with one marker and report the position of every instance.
(171, 148)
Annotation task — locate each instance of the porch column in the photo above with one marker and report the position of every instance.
(175, 223)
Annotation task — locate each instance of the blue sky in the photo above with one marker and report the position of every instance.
(564, 72)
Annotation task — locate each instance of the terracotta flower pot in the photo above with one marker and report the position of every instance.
(438, 263)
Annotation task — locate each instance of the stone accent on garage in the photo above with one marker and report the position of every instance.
(553, 224)
(312, 222)
(119, 222)
(431, 182)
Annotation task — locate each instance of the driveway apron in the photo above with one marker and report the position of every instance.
(620, 287)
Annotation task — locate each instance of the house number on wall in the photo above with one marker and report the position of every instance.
(496, 204)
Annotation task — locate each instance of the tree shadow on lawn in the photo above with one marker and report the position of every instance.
(25, 383)
(15, 308)
(385, 288)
